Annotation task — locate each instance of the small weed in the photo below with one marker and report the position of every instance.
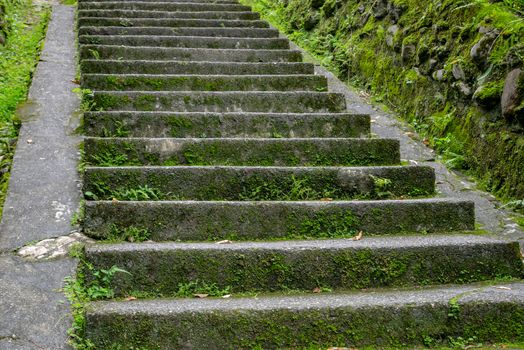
(79, 215)
(109, 158)
(130, 234)
(79, 292)
(87, 99)
(382, 187)
(95, 54)
(453, 309)
(295, 190)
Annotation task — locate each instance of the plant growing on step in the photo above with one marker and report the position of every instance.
(130, 234)
(102, 191)
(87, 102)
(119, 130)
(295, 189)
(79, 292)
(382, 187)
(109, 157)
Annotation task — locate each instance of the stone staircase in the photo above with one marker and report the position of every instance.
(220, 159)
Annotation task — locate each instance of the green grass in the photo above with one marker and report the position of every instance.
(26, 27)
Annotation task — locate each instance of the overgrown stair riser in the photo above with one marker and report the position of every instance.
(161, 6)
(188, 54)
(205, 126)
(304, 265)
(382, 319)
(228, 101)
(172, 15)
(141, 82)
(201, 124)
(186, 41)
(167, 22)
(195, 67)
(183, 31)
(241, 151)
(245, 220)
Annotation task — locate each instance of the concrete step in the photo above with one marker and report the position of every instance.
(394, 318)
(252, 183)
(171, 1)
(228, 101)
(168, 22)
(239, 15)
(241, 151)
(161, 6)
(195, 68)
(188, 54)
(374, 262)
(202, 124)
(181, 31)
(244, 220)
(164, 82)
(186, 41)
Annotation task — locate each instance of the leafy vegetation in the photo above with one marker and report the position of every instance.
(25, 27)
(79, 291)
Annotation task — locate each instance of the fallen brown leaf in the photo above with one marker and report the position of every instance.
(316, 290)
(130, 298)
(201, 296)
(114, 200)
(326, 199)
(358, 237)
(75, 81)
(225, 241)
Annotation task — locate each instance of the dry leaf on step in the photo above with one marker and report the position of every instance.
(201, 296)
(226, 241)
(358, 237)
(130, 298)
(316, 290)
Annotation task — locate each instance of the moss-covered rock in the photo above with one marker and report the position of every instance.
(441, 65)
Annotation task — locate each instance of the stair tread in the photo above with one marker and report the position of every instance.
(372, 242)
(477, 293)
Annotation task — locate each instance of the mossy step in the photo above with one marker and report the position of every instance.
(235, 183)
(186, 41)
(171, 1)
(241, 151)
(170, 14)
(142, 82)
(182, 31)
(202, 124)
(395, 318)
(374, 262)
(196, 68)
(223, 101)
(161, 6)
(188, 54)
(199, 220)
(168, 22)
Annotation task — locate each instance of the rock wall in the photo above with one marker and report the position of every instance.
(453, 69)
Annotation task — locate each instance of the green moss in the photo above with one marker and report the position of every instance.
(350, 39)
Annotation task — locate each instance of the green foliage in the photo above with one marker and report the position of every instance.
(25, 25)
(80, 290)
(296, 190)
(141, 193)
(130, 234)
